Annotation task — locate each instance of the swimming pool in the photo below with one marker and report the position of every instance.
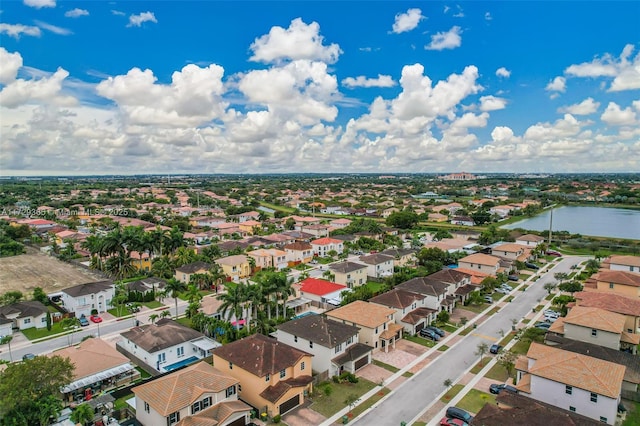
(179, 364)
(304, 314)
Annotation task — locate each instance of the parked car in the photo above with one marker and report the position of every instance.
(83, 321)
(429, 334)
(495, 348)
(531, 265)
(27, 357)
(513, 278)
(542, 325)
(450, 421)
(502, 290)
(506, 287)
(95, 318)
(459, 413)
(487, 298)
(551, 312)
(554, 253)
(496, 388)
(437, 330)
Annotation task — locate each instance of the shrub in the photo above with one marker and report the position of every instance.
(277, 418)
(335, 379)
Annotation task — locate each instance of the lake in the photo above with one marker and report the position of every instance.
(595, 221)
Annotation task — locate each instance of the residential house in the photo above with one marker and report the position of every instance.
(410, 309)
(348, 273)
(249, 227)
(97, 368)
(81, 299)
(376, 323)
(378, 265)
(597, 326)
(196, 395)
(578, 383)
(269, 258)
(140, 260)
(165, 345)
(401, 257)
(530, 240)
(248, 216)
(147, 285)
(228, 228)
(621, 282)
(514, 409)
(462, 220)
(435, 292)
(274, 377)
(515, 252)
(437, 217)
(334, 345)
(236, 267)
(321, 291)
(502, 211)
(613, 302)
(322, 246)
(21, 316)
(624, 263)
(317, 230)
(340, 223)
(481, 262)
(183, 273)
(299, 252)
(459, 283)
(631, 380)
(210, 306)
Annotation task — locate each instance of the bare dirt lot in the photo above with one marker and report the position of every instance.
(27, 271)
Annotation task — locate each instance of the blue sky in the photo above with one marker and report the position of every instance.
(262, 87)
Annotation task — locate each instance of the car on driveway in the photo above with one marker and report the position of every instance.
(487, 298)
(83, 321)
(502, 290)
(496, 388)
(459, 413)
(437, 330)
(95, 318)
(513, 278)
(531, 265)
(506, 287)
(542, 325)
(429, 334)
(495, 348)
(450, 421)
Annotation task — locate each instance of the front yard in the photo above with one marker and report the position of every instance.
(328, 405)
(474, 400)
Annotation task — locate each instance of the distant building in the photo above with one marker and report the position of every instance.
(458, 176)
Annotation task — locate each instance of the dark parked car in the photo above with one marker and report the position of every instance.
(429, 334)
(542, 325)
(495, 389)
(513, 278)
(459, 413)
(495, 348)
(531, 265)
(27, 357)
(83, 321)
(437, 330)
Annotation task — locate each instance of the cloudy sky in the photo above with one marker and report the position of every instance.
(138, 87)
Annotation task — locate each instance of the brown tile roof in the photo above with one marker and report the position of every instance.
(524, 384)
(510, 247)
(376, 258)
(354, 353)
(618, 277)
(418, 315)
(275, 392)
(513, 409)
(391, 331)
(362, 313)
(92, 356)
(298, 246)
(182, 388)
(396, 298)
(609, 301)
(482, 259)
(88, 288)
(260, 355)
(215, 415)
(584, 372)
(530, 237)
(320, 330)
(346, 267)
(193, 267)
(634, 339)
(557, 326)
(424, 285)
(232, 260)
(596, 318)
(161, 335)
(625, 260)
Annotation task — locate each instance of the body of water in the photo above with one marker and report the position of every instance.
(594, 221)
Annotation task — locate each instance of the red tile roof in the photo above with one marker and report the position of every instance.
(320, 287)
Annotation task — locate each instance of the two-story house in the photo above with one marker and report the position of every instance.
(597, 326)
(334, 345)
(435, 292)
(530, 240)
(481, 262)
(165, 345)
(401, 257)
(81, 299)
(196, 395)
(274, 377)
(624, 263)
(322, 246)
(622, 282)
(348, 273)
(376, 323)
(574, 382)
(235, 267)
(410, 309)
(299, 252)
(459, 283)
(378, 265)
(22, 315)
(269, 258)
(183, 273)
(321, 291)
(512, 252)
(613, 302)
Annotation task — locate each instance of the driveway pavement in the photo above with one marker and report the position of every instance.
(303, 416)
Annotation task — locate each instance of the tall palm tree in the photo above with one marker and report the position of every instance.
(284, 290)
(173, 288)
(193, 293)
(232, 301)
(94, 244)
(184, 255)
(162, 267)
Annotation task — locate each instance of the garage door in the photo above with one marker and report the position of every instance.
(290, 404)
(361, 362)
(420, 326)
(238, 422)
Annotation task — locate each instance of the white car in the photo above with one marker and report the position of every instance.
(502, 290)
(506, 287)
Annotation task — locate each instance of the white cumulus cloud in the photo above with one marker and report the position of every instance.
(362, 81)
(558, 84)
(446, 40)
(503, 72)
(299, 41)
(15, 30)
(625, 71)
(492, 103)
(39, 4)
(10, 63)
(586, 107)
(139, 19)
(21, 91)
(407, 21)
(76, 13)
(616, 116)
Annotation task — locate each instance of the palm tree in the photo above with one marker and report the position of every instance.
(173, 288)
(202, 281)
(165, 314)
(183, 256)
(193, 293)
(162, 267)
(153, 318)
(232, 301)
(6, 340)
(94, 244)
(83, 414)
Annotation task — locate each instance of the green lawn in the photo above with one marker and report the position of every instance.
(385, 366)
(523, 288)
(453, 391)
(497, 372)
(375, 287)
(154, 304)
(524, 276)
(633, 416)
(480, 365)
(120, 312)
(474, 400)
(509, 299)
(521, 347)
(143, 373)
(466, 331)
(122, 402)
(476, 308)
(424, 342)
(493, 311)
(184, 321)
(450, 328)
(419, 424)
(369, 402)
(507, 338)
(329, 405)
(550, 296)
(39, 333)
(443, 348)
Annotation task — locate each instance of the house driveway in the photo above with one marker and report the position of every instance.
(404, 353)
(303, 416)
(373, 373)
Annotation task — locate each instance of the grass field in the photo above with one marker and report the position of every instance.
(329, 405)
(453, 391)
(474, 400)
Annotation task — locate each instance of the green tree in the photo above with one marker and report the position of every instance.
(10, 297)
(549, 287)
(481, 350)
(405, 219)
(442, 317)
(83, 414)
(6, 340)
(23, 384)
(571, 286)
(40, 296)
(173, 288)
(507, 359)
(48, 319)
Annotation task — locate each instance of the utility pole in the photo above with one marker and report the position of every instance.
(550, 225)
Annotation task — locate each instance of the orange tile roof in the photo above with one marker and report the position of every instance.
(584, 372)
(524, 385)
(362, 313)
(618, 277)
(480, 258)
(625, 260)
(557, 326)
(182, 388)
(391, 331)
(609, 301)
(596, 318)
(634, 339)
(92, 356)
